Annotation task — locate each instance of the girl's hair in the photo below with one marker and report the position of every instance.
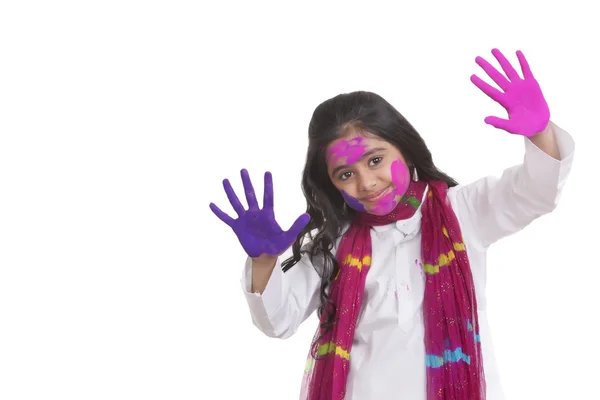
(365, 112)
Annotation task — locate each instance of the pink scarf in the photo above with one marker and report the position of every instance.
(454, 362)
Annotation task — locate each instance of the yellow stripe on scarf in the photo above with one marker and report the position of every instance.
(330, 347)
(444, 259)
(351, 261)
(355, 262)
(324, 349)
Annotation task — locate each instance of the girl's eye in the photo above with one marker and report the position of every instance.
(345, 175)
(375, 161)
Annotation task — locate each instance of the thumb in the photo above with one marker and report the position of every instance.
(499, 123)
(297, 227)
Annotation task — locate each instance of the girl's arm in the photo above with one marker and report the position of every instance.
(492, 208)
(279, 302)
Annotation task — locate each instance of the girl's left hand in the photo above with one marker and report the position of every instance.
(528, 112)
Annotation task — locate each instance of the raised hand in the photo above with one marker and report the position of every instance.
(256, 228)
(528, 112)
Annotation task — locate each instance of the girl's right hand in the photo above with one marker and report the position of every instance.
(257, 230)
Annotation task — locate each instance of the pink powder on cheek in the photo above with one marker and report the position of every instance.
(400, 177)
(352, 149)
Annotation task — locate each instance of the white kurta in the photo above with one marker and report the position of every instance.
(388, 347)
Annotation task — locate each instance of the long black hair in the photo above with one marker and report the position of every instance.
(366, 112)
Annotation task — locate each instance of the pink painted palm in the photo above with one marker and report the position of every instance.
(522, 98)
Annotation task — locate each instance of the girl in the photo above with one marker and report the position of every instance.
(396, 262)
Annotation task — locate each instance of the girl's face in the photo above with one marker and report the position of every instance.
(370, 173)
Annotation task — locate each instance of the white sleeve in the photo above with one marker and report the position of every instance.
(288, 300)
(493, 208)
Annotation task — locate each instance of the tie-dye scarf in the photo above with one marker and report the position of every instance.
(454, 363)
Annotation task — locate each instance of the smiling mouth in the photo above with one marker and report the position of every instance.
(376, 196)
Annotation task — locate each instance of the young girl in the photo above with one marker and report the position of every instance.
(396, 262)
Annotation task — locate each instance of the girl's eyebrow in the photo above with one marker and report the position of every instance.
(367, 154)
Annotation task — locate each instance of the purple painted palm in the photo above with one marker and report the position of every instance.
(257, 230)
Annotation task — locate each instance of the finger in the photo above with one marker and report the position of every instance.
(221, 215)
(504, 124)
(297, 227)
(506, 66)
(249, 189)
(524, 65)
(233, 199)
(488, 89)
(493, 73)
(268, 192)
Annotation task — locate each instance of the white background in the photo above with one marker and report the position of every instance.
(119, 120)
